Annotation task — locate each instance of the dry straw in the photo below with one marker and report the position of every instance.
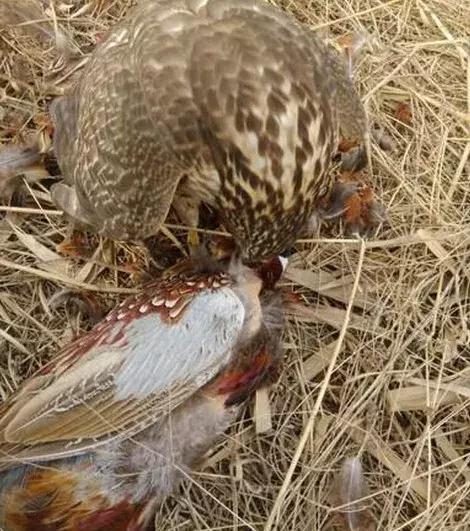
(377, 366)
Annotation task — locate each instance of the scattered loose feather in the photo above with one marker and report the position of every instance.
(352, 45)
(28, 15)
(14, 162)
(352, 489)
(14, 159)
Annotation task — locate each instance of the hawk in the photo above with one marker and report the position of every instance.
(230, 103)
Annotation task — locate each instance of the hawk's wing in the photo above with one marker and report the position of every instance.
(109, 147)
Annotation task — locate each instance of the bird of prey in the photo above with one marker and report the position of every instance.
(100, 436)
(230, 103)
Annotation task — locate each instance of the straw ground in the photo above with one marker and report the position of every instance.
(377, 367)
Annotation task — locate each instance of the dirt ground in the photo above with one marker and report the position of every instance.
(378, 368)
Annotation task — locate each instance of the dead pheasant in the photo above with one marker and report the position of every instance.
(98, 438)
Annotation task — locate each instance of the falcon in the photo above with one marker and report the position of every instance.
(98, 438)
(228, 103)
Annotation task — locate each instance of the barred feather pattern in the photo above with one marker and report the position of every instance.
(226, 102)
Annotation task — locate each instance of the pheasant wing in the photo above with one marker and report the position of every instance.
(144, 366)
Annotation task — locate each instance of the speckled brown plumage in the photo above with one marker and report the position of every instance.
(227, 102)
